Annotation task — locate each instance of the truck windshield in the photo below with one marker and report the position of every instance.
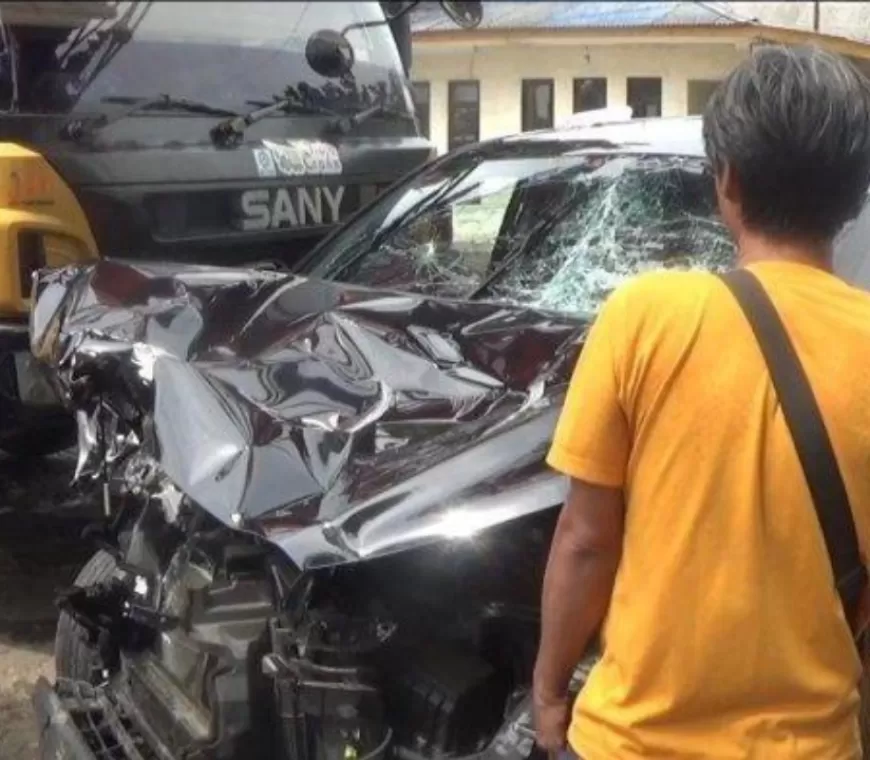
(556, 232)
(64, 57)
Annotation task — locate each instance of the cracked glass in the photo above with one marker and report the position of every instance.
(556, 233)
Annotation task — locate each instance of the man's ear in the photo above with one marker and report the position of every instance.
(727, 184)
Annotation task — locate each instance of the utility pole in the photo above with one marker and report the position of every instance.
(816, 14)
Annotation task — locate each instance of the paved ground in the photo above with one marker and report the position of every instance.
(40, 521)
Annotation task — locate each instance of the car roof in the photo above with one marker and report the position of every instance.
(673, 136)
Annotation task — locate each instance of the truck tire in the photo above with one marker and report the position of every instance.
(73, 657)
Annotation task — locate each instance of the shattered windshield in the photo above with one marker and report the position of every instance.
(552, 232)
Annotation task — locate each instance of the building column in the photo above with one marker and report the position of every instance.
(563, 98)
(438, 113)
(675, 96)
(617, 91)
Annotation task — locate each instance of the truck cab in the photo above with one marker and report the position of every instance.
(121, 101)
(208, 133)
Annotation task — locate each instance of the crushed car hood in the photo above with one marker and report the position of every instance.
(338, 422)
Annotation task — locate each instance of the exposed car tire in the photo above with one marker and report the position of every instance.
(73, 657)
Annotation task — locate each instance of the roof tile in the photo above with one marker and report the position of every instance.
(543, 14)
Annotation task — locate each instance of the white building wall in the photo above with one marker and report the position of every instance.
(500, 70)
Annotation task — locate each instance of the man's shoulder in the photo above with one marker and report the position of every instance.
(856, 298)
(662, 291)
(667, 280)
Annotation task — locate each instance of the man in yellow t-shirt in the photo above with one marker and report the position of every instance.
(689, 535)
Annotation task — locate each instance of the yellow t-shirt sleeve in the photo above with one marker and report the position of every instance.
(592, 441)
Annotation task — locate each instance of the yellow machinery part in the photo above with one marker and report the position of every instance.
(37, 208)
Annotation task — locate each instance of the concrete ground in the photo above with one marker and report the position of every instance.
(41, 520)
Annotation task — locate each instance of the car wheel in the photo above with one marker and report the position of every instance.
(74, 658)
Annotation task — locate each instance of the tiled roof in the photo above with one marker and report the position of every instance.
(428, 17)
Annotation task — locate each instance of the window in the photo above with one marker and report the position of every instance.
(447, 250)
(421, 92)
(536, 227)
(537, 97)
(589, 94)
(699, 92)
(644, 96)
(232, 55)
(463, 105)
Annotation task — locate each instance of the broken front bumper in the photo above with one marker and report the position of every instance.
(77, 721)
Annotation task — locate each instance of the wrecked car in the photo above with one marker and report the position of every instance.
(327, 508)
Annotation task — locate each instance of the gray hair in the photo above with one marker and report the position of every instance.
(793, 124)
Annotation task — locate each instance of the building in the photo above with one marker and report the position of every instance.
(531, 64)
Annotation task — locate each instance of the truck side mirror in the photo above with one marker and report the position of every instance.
(468, 15)
(329, 54)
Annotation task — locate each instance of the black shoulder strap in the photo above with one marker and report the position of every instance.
(807, 427)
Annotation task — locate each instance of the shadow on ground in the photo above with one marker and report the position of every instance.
(41, 520)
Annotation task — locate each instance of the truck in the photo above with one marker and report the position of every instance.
(232, 133)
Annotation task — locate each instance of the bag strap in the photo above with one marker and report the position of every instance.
(810, 436)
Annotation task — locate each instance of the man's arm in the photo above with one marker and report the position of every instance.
(578, 583)
(591, 446)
